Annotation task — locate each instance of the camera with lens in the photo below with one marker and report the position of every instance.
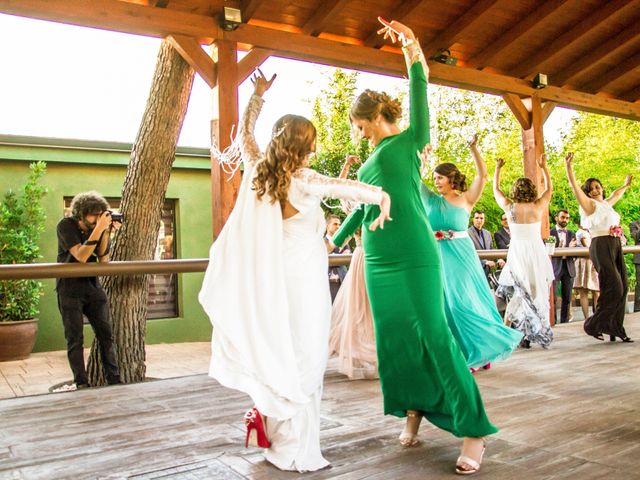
(116, 217)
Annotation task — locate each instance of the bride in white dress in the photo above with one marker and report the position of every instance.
(266, 291)
(526, 279)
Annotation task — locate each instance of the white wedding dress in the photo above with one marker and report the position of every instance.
(267, 294)
(525, 283)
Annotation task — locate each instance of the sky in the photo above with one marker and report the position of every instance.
(74, 82)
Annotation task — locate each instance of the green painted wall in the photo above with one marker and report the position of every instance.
(75, 166)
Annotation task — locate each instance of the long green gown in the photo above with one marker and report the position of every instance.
(421, 366)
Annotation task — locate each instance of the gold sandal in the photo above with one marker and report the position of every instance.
(408, 439)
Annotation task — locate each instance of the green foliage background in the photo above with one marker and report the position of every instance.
(21, 224)
(607, 148)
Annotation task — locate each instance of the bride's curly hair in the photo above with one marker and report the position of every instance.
(524, 191)
(293, 138)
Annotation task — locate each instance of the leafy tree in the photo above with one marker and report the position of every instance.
(331, 118)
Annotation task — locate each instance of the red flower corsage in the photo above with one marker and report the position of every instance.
(442, 235)
(616, 231)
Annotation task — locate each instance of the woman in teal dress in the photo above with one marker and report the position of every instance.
(470, 307)
(421, 367)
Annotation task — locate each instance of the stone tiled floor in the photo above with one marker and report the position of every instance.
(36, 374)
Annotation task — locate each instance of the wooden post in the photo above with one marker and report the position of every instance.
(224, 187)
(531, 115)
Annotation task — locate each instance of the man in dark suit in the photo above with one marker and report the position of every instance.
(481, 238)
(336, 274)
(564, 269)
(635, 233)
(503, 236)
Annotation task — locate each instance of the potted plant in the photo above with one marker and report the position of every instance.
(550, 243)
(21, 224)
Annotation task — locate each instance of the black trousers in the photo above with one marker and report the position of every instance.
(92, 302)
(607, 258)
(566, 287)
(636, 302)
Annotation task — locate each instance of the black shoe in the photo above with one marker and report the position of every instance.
(80, 386)
(612, 338)
(525, 343)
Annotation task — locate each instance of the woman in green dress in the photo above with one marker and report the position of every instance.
(422, 369)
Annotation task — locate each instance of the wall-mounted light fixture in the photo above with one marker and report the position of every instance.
(540, 81)
(444, 56)
(231, 18)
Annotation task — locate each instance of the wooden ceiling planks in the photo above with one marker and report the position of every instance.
(585, 46)
(566, 40)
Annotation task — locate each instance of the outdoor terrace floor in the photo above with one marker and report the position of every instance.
(572, 412)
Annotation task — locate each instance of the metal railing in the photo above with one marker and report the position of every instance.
(62, 270)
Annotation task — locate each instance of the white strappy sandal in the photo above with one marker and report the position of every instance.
(463, 460)
(408, 440)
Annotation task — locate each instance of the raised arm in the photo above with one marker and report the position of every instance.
(473, 194)
(418, 74)
(248, 147)
(312, 183)
(346, 166)
(545, 196)
(587, 204)
(618, 192)
(500, 197)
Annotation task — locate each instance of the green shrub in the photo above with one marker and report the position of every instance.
(21, 224)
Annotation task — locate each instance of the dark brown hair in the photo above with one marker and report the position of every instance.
(524, 191)
(88, 203)
(586, 187)
(457, 179)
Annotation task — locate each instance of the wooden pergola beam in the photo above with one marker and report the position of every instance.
(194, 55)
(519, 110)
(248, 9)
(632, 95)
(224, 186)
(532, 64)
(497, 48)
(251, 61)
(318, 20)
(572, 72)
(547, 109)
(131, 18)
(118, 16)
(449, 36)
(605, 80)
(329, 52)
(402, 12)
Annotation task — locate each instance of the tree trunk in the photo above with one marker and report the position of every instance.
(143, 193)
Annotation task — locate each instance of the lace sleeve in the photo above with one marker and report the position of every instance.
(412, 54)
(248, 147)
(312, 183)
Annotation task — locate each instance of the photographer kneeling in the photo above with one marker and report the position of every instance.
(84, 237)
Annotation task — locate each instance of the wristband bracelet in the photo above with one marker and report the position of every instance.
(91, 242)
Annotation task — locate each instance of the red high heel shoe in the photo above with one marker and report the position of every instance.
(487, 366)
(256, 430)
(474, 369)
